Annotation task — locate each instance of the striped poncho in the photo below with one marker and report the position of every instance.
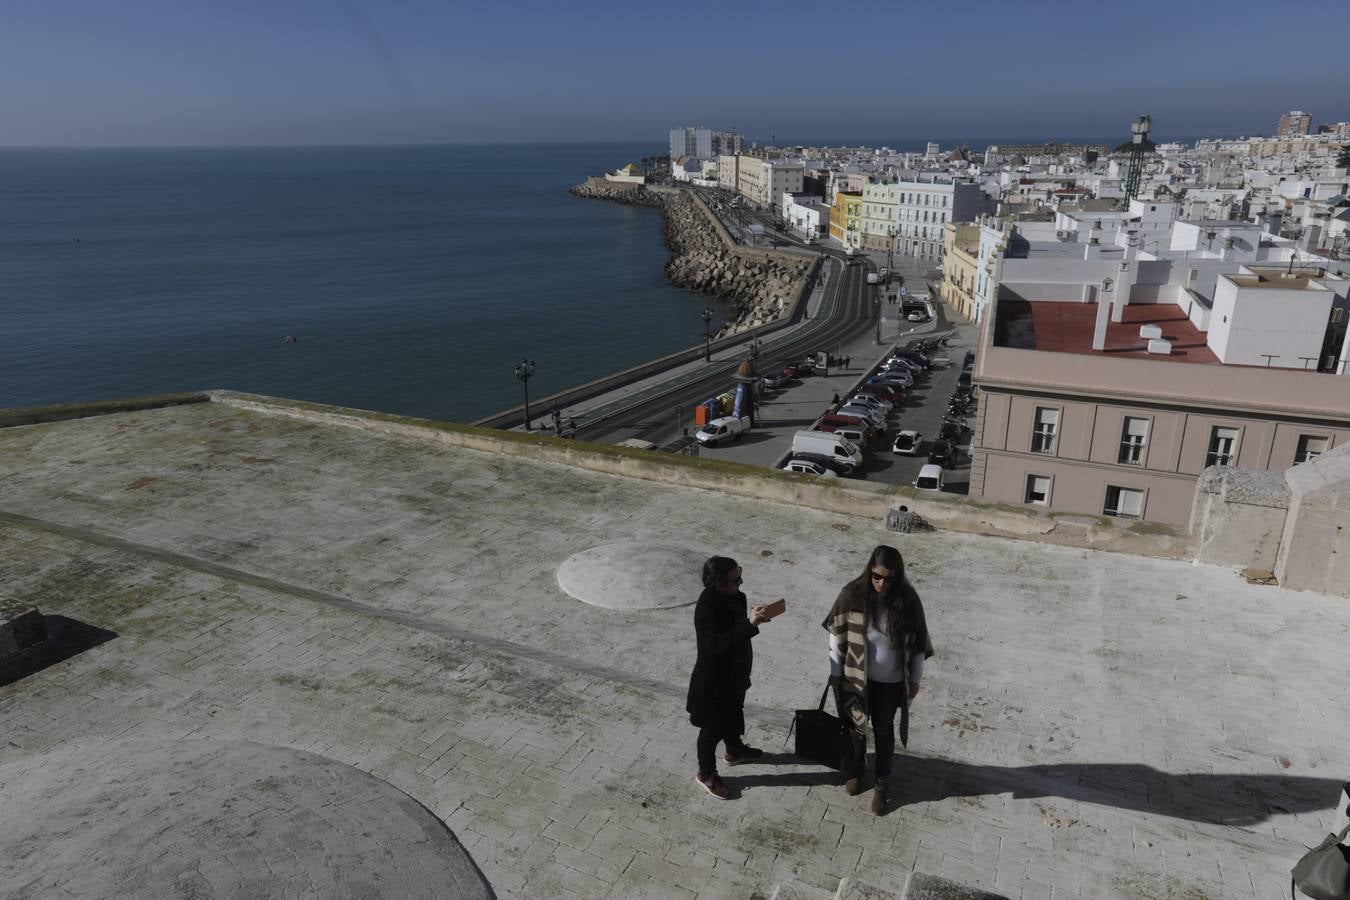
(848, 622)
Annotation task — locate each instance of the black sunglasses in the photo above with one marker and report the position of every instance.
(887, 579)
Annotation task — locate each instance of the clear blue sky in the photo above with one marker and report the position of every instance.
(151, 72)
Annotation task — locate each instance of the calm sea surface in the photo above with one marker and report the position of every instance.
(414, 277)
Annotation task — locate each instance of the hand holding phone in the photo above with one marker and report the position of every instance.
(776, 608)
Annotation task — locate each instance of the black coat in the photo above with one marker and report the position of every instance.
(722, 672)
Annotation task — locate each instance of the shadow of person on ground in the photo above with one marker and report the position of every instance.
(66, 637)
(1216, 799)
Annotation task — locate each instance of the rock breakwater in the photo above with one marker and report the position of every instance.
(762, 283)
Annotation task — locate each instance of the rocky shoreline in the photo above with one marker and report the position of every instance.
(762, 283)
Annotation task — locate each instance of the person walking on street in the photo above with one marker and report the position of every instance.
(878, 643)
(721, 676)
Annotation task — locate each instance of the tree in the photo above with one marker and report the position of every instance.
(1343, 158)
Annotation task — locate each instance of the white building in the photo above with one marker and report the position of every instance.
(924, 206)
(806, 215)
(763, 181)
(1272, 317)
(691, 142)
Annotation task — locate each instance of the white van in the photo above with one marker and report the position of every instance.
(723, 430)
(930, 478)
(833, 445)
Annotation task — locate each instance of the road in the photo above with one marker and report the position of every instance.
(845, 324)
(648, 413)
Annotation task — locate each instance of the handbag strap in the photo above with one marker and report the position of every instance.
(825, 693)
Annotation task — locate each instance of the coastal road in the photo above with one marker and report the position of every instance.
(650, 415)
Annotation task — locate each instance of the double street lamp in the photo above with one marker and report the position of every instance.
(524, 369)
(707, 337)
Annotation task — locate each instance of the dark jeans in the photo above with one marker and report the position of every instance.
(707, 748)
(883, 701)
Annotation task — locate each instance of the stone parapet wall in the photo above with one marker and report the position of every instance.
(842, 496)
(765, 284)
(1238, 516)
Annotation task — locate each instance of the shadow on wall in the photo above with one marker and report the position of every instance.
(66, 637)
(1236, 800)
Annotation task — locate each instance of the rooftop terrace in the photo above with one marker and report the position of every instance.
(392, 604)
(1068, 327)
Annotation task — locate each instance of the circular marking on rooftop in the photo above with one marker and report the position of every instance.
(219, 819)
(633, 575)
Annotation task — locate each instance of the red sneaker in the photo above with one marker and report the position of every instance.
(714, 785)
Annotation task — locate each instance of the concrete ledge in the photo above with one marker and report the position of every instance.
(21, 627)
(842, 496)
(35, 415)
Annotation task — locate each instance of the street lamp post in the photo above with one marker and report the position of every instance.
(876, 307)
(524, 369)
(707, 338)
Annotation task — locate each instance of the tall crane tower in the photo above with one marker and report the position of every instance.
(1139, 145)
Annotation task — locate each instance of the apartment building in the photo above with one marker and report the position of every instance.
(1294, 122)
(923, 207)
(1113, 402)
(729, 171)
(697, 142)
(973, 264)
(765, 181)
(961, 264)
(881, 221)
(846, 218)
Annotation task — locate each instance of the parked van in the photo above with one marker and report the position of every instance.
(723, 430)
(930, 478)
(832, 445)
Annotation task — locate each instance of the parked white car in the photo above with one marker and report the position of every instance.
(930, 478)
(807, 467)
(873, 402)
(907, 443)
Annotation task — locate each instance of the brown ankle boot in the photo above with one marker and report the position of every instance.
(853, 787)
(880, 796)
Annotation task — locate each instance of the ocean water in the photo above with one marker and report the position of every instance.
(414, 278)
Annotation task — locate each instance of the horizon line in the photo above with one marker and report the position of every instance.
(874, 142)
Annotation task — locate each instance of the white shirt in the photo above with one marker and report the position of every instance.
(884, 659)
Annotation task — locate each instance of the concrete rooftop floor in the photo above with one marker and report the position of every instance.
(1092, 725)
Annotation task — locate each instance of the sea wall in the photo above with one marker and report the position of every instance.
(762, 283)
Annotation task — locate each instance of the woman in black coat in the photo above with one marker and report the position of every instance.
(721, 674)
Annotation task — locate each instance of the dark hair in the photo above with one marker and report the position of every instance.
(898, 598)
(716, 570)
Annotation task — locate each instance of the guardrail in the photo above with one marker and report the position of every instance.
(516, 415)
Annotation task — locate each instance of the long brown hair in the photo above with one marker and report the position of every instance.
(898, 598)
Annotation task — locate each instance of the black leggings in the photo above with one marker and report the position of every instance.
(707, 748)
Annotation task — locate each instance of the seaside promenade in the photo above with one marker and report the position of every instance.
(302, 588)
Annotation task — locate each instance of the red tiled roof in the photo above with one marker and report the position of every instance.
(1067, 328)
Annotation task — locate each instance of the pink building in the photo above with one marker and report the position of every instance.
(1125, 429)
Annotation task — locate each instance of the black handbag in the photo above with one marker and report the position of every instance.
(820, 735)
(1324, 871)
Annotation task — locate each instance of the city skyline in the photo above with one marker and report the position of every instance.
(352, 72)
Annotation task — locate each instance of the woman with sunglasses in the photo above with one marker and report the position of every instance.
(721, 675)
(878, 642)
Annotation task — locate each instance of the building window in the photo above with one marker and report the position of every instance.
(1038, 490)
(1043, 435)
(1337, 315)
(1222, 447)
(1124, 503)
(1309, 448)
(1133, 436)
